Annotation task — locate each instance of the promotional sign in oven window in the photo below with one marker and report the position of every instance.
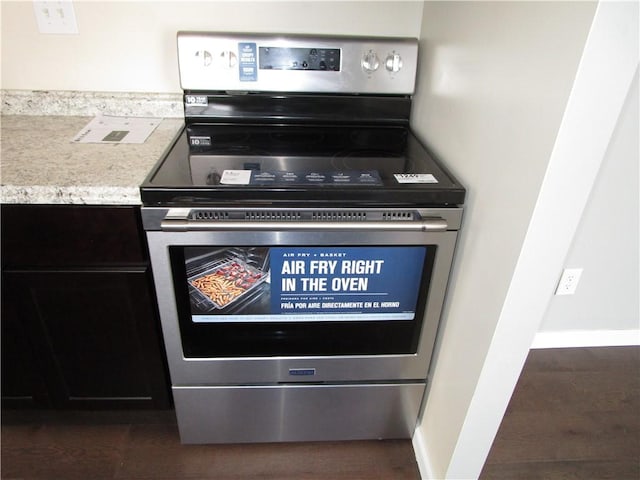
(281, 284)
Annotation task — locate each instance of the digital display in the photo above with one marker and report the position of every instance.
(317, 59)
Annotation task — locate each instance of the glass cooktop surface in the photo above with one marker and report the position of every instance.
(290, 163)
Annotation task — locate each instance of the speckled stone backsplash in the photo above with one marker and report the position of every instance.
(30, 102)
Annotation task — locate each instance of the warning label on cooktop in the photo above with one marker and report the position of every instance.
(280, 178)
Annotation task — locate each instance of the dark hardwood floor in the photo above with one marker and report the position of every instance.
(145, 445)
(575, 414)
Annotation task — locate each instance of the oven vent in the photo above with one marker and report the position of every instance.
(335, 216)
(209, 215)
(284, 216)
(398, 215)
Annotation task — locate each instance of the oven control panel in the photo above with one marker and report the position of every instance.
(296, 63)
(314, 59)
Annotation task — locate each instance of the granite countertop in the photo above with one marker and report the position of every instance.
(40, 164)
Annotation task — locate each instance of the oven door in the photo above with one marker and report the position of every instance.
(265, 301)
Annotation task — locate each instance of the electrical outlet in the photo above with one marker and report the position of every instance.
(569, 281)
(56, 17)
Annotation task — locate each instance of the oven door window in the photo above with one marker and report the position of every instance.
(300, 300)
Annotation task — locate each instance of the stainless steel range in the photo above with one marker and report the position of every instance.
(301, 240)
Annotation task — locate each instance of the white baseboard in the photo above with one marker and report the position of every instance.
(422, 455)
(586, 338)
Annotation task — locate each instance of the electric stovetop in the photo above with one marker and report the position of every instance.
(299, 164)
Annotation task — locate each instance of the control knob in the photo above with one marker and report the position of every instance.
(204, 57)
(228, 59)
(370, 62)
(393, 62)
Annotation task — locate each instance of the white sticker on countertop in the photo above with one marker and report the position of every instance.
(236, 177)
(110, 129)
(415, 178)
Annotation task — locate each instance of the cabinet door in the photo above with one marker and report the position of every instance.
(22, 384)
(94, 335)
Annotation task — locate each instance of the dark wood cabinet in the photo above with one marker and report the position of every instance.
(22, 382)
(79, 326)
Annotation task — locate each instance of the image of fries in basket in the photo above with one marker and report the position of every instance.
(227, 283)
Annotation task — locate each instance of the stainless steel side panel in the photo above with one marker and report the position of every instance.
(283, 413)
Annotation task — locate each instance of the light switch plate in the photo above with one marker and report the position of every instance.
(56, 17)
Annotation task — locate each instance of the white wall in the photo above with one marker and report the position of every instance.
(488, 330)
(493, 85)
(607, 243)
(130, 46)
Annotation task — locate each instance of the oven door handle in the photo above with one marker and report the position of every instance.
(186, 225)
